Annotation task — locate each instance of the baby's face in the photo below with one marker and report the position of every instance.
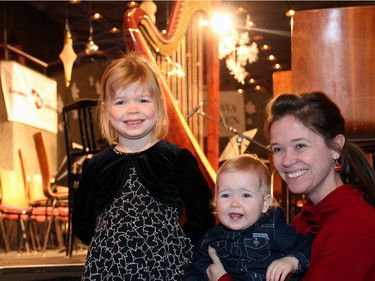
(240, 200)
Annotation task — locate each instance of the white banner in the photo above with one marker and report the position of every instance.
(30, 97)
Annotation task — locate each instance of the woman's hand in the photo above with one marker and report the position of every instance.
(216, 269)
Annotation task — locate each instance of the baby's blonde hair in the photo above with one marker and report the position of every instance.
(131, 70)
(247, 163)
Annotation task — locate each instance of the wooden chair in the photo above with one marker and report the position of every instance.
(82, 140)
(57, 196)
(14, 207)
(41, 206)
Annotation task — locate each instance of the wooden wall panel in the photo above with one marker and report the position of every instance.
(282, 82)
(333, 50)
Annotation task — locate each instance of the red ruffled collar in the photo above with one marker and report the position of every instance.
(313, 217)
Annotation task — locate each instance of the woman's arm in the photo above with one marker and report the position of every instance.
(344, 248)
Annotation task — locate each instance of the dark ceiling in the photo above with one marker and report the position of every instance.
(273, 26)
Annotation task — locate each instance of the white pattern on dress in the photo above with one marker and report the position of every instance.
(137, 238)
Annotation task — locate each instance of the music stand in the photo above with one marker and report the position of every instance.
(237, 145)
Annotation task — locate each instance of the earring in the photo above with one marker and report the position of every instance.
(337, 166)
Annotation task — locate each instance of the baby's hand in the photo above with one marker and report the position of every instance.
(279, 269)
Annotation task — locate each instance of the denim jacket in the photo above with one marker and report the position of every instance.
(247, 253)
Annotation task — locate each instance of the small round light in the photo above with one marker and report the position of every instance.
(290, 13)
(97, 16)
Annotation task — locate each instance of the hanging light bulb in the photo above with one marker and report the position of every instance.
(91, 52)
(67, 55)
(91, 47)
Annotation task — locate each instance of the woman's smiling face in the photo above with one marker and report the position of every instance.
(302, 158)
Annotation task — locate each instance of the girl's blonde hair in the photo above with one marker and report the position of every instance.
(131, 70)
(247, 163)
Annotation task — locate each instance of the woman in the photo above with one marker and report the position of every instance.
(313, 157)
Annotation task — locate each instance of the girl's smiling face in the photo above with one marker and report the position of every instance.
(133, 115)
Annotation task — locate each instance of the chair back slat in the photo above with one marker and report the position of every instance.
(43, 161)
(13, 189)
(80, 127)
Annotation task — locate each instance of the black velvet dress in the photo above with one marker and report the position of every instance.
(128, 207)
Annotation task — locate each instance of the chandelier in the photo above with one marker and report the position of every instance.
(236, 48)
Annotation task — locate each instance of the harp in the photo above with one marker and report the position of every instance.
(179, 52)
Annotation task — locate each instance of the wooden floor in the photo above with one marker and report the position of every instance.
(53, 265)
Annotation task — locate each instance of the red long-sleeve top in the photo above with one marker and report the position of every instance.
(344, 247)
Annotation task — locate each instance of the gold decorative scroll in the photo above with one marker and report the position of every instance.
(168, 43)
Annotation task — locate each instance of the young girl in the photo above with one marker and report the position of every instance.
(252, 240)
(132, 194)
